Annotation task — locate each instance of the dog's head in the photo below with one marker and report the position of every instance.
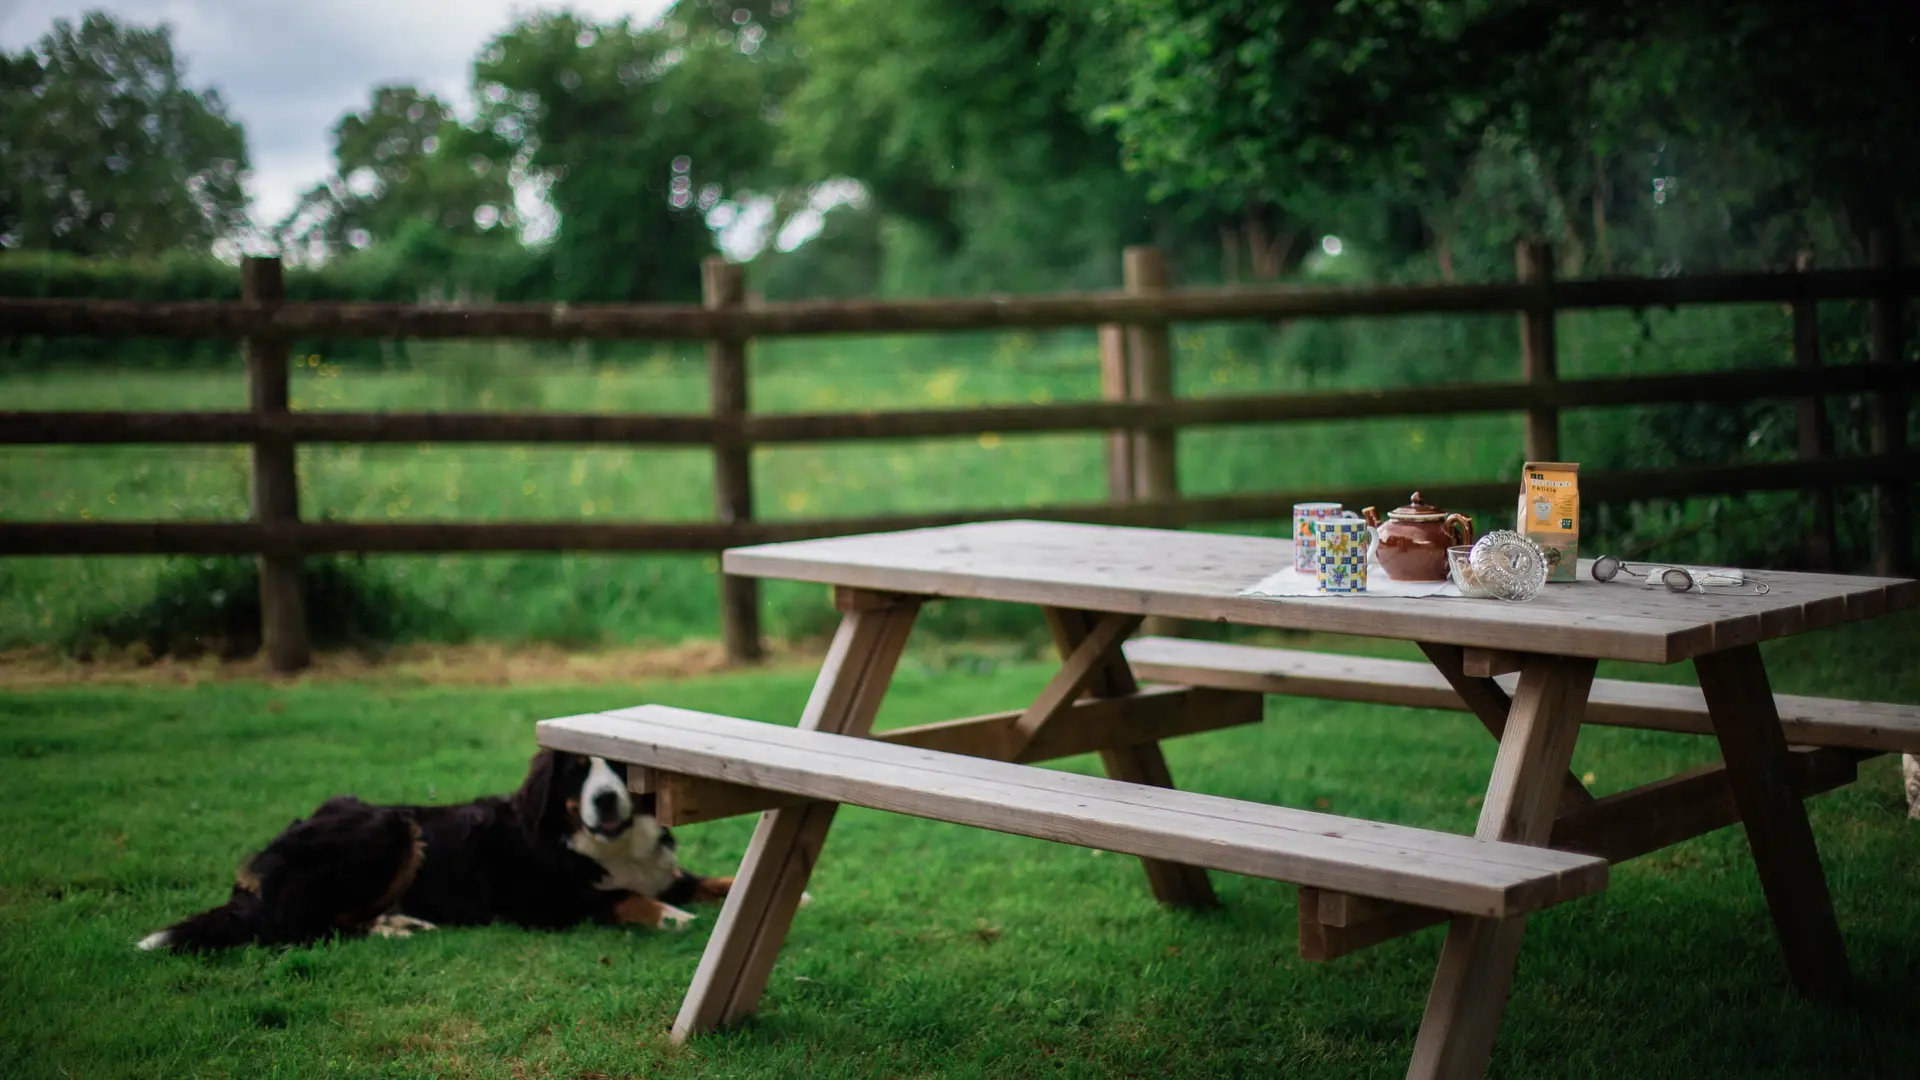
(566, 793)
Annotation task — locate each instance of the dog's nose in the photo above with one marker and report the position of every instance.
(607, 805)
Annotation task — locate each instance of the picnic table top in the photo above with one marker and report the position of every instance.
(1198, 575)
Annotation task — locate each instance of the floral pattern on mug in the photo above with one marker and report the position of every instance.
(1304, 515)
(1342, 552)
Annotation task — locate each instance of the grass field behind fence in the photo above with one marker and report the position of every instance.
(931, 950)
(666, 598)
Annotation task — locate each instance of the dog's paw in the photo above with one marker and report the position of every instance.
(805, 898)
(399, 926)
(712, 890)
(673, 918)
(157, 940)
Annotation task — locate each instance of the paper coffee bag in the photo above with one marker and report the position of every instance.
(1550, 514)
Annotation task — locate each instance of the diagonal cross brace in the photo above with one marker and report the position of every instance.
(1085, 662)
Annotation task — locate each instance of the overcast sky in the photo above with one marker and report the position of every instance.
(289, 68)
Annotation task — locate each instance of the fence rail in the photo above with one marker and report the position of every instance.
(686, 322)
(1141, 413)
(673, 429)
(323, 537)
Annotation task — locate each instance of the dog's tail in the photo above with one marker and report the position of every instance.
(240, 921)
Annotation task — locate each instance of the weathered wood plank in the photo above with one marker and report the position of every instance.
(276, 485)
(1618, 828)
(786, 843)
(680, 322)
(1807, 721)
(1087, 659)
(1136, 762)
(1359, 922)
(724, 288)
(1150, 354)
(1742, 705)
(689, 800)
(1322, 941)
(1489, 663)
(689, 429)
(1644, 819)
(1201, 576)
(1370, 858)
(1090, 725)
(1116, 385)
(1470, 986)
(1488, 701)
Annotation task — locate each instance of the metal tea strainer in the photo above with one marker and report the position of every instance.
(1676, 578)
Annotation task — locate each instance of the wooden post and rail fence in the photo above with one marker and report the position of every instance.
(1139, 411)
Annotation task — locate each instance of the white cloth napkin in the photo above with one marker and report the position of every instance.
(1291, 582)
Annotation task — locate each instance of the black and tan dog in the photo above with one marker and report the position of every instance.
(571, 846)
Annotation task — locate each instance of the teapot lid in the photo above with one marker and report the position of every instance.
(1417, 510)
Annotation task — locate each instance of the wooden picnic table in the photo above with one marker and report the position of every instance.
(1095, 584)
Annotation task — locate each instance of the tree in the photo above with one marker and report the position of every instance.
(105, 149)
(403, 159)
(1372, 108)
(973, 124)
(641, 135)
(960, 121)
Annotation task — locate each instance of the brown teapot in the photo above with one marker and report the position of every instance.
(1411, 545)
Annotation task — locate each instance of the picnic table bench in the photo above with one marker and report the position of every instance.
(1525, 671)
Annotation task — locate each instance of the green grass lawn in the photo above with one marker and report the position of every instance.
(931, 950)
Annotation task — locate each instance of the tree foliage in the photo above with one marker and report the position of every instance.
(641, 135)
(106, 150)
(1019, 144)
(403, 159)
(1531, 116)
(960, 119)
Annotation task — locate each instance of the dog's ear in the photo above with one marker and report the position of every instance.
(533, 802)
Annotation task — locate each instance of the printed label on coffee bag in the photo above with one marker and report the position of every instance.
(1550, 513)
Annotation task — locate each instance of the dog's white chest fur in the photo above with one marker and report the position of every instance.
(635, 860)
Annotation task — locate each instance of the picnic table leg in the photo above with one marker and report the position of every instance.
(1491, 705)
(1144, 763)
(1747, 723)
(1470, 986)
(773, 876)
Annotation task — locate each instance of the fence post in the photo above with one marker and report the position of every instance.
(1116, 384)
(1150, 348)
(1893, 511)
(723, 285)
(1156, 476)
(1539, 359)
(1816, 433)
(276, 492)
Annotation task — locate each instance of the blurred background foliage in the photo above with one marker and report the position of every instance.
(1019, 145)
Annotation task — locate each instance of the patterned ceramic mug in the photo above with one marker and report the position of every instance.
(1341, 545)
(1304, 515)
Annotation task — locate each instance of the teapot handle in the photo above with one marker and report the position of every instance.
(1464, 525)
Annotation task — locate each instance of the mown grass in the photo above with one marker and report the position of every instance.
(932, 950)
(667, 598)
